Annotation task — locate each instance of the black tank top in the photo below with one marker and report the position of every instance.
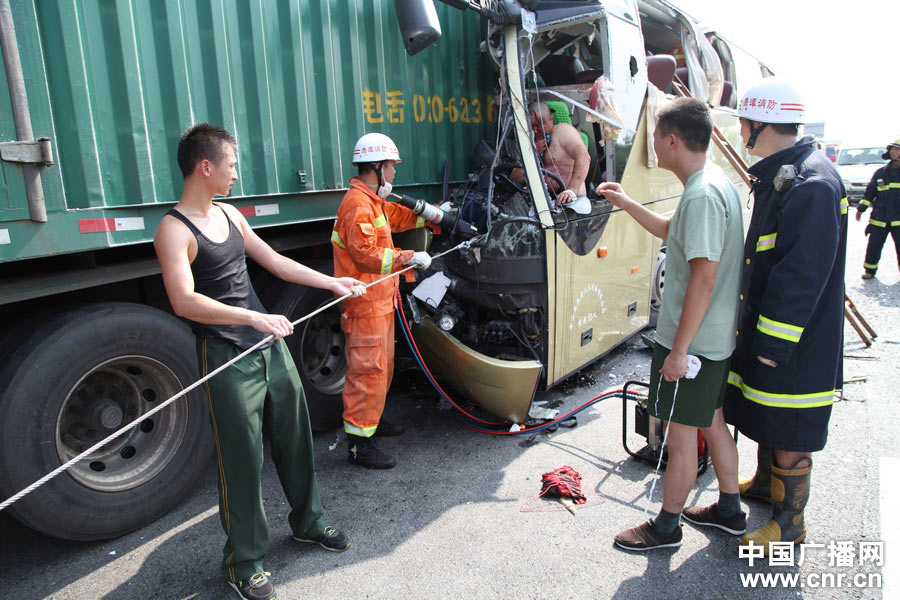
(220, 273)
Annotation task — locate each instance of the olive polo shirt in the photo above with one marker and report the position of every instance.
(707, 224)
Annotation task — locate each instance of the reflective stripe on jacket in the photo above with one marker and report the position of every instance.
(363, 247)
(792, 284)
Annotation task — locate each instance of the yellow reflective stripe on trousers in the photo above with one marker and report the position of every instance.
(869, 266)
(781, 400)
(766, 242)
(877, 223)
(865, 202)
(420, 222)
(380, 221)
(844, 204)
(360, 431)
(336, 238)
(387, 261)
(784, 331)
(895, 223)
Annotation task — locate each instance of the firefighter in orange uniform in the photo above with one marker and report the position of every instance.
(362, 245)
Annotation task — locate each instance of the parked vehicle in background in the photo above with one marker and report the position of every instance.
(831, 148)
(856, 166)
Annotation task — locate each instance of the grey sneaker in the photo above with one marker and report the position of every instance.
(708, 516)
(647, 537)
(255, 587)
(331, 539)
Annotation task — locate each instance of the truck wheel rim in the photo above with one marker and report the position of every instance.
(322, 353)
(104, 400)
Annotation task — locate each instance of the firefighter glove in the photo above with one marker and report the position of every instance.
(420, 260)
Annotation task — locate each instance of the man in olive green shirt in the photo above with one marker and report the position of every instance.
(699, 310)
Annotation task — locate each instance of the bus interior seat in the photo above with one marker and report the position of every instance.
(727, 91)
(661, 70)
(682, 74)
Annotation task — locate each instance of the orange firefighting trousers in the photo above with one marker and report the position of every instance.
(370, 367)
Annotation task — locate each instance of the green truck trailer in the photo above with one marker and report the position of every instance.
(95, 99)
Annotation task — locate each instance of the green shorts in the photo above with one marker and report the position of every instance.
(697, 399)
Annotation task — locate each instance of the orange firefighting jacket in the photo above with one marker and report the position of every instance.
(363, 247)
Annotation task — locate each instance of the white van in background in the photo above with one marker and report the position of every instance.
(856, 166)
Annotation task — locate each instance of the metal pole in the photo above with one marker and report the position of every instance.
(21, 115)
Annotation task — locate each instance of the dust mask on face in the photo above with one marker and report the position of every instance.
(384, 190)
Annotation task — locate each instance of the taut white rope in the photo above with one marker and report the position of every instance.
(194, 385)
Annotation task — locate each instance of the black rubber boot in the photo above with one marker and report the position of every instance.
(760, 485)
(790, 493)
(362, 451)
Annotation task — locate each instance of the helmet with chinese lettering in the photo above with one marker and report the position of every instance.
(375, 147)
(772, 101)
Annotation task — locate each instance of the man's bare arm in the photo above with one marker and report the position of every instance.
(290, 270)
(656, 224)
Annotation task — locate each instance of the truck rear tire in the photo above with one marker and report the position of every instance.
(317, 346)
(75, 378)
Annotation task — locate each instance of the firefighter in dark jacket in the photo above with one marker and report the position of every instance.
(788, 359)
(883, 195)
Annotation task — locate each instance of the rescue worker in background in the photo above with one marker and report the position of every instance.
(788, 359)
(364, 250)
(563, 152)
(883, 195)
(202, 248)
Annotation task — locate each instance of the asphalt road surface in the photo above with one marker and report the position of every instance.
(459, 516)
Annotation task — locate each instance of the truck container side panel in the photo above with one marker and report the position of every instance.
(167, 104)
(13, 203)
(72, 117)
(324, 143)
(281, 105)
(110, 73)
(113, 85)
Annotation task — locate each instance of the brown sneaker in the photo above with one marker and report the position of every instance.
(708, 516)
(867, 276)
(647, 537)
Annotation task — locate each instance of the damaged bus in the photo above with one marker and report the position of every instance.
(549, 291)
(96, 97)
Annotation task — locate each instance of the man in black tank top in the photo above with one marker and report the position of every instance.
(202, 248)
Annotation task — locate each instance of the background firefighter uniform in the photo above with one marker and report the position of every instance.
(792, 304)
(883, 195)
(363, 249)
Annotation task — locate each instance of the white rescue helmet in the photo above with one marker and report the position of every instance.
(894, 144)
(772, 101)
(375, 147)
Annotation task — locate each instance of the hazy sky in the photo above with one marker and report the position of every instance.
(842, 56)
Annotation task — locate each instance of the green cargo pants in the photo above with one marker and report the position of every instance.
(263, 385)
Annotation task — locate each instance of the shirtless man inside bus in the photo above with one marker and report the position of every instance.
(562, 152)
